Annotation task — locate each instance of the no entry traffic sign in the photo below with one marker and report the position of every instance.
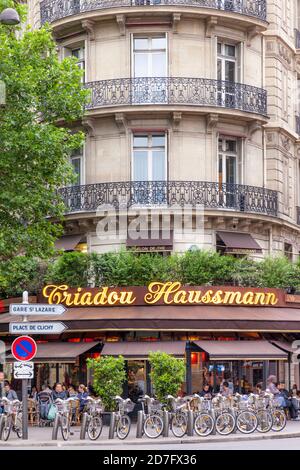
(24, 348)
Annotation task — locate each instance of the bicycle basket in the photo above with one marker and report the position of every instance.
(129, 407)
(154, 406)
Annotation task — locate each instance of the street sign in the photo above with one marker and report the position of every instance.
(36, 309)
(23, 370)
(37, 328)
(24, 348)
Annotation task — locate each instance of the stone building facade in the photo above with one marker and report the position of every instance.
(194, 103)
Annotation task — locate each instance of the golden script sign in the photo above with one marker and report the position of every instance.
(159, 293)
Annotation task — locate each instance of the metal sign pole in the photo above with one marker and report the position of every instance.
(24, 409)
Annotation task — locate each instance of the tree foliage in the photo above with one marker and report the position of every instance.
(44, 96)
(167, 374)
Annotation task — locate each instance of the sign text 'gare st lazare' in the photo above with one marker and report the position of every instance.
(159, 293)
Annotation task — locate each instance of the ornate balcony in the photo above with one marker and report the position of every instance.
(124, 195)
(177, 91)
(53, 10)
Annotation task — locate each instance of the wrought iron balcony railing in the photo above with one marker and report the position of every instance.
(177, 91)
(124, 195)
(53, 10)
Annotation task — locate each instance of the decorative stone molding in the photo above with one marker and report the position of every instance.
(252, 128)
(121, 20)
(88, 26)
(176, 119)
(211, 24)
(176, 17)
(121, 122)
(211, 122)
(89, 126)
(251, 34)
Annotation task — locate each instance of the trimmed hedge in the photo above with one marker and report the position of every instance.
(127, 268)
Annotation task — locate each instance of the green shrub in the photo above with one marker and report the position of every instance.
(71, 268)
(206, 267)
(109, 377)
(167, 374)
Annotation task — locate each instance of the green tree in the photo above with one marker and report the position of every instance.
(69, 268)
(43, 97)
(109, 377)
(167, 374)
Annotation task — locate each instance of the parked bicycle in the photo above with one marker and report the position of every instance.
(178, 415)
(246, 418)
(122, 420)
(225, 418)
(94, 422)
(64, 416)
(204, 422)
(11, 420)
(152, 417)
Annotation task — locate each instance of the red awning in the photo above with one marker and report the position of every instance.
(239, 242)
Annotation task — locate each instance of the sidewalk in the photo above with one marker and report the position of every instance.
(41, 437)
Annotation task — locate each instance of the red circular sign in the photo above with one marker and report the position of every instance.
(24, 348)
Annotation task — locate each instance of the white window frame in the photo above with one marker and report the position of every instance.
(224, 58)
(81, 157)
(149, 160)
(238, 155)
(149, 36)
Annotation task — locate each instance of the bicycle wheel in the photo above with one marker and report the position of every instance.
(279, 420)
(65, 427)
(6, 428)
(246, 422)
(179, 424)
(18, 426)
(264, 421)
(204, 424)
(94, 428)
(123, 427)
(153, 426)
(225, 424)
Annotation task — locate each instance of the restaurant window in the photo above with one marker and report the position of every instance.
(288, 251)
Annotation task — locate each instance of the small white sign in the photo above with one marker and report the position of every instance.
(23, 370)
(37, 328)
(36, 309)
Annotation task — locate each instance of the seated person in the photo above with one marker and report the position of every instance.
(206, 392)
(287, 401)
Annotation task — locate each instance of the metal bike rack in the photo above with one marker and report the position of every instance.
(112, 425)
(139, 424)
(83, 426)
(166, 422)
(55, 428)
(190, 423)
(213, 414)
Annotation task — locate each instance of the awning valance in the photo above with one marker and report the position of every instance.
(246, 350)
(61, 352)
(174, 318)
(147, 239)
(141, 350)
(68, 242)
(237, 242)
